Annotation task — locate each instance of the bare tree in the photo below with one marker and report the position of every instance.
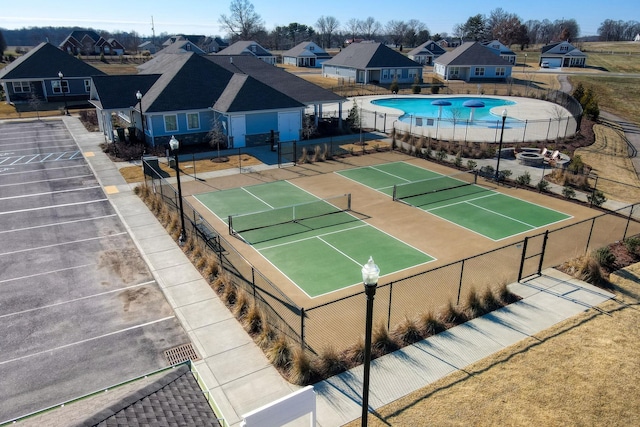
(370, 27)
(396, 30)
(34, 101)
(217, 137)
(243, 22)
(327, 26)
(353, 27)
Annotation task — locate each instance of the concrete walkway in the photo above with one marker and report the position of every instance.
(237, 372)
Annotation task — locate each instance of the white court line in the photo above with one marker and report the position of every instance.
(75, 300)
(45, 180)
(44, 273)
(244, 189)
(54, 206)
(502, 215)
(63, 244)
(57, 223)
(390, 174)
(338, 250)
(50, 192)
(87, 340)
(312, 237)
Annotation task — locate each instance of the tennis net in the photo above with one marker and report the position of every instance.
(289, 214)
(434, 185)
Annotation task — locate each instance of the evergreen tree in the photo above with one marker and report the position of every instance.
(3, 45)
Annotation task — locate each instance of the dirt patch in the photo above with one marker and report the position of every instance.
(126, 264)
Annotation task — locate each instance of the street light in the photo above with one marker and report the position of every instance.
(370, 274)
(174, 144)
(504, 119)
(139, 97)
(64, 96)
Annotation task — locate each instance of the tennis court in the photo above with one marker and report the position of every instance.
(319, 244)
(458, 198)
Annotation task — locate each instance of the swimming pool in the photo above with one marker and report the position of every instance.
(424, 108)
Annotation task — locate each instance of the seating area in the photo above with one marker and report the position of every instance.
(536, 157)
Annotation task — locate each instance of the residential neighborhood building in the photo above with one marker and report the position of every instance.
(426, 53)
(372, 63)
(88, 42)
(35, 75)
(182, 46)
(562, 54)
(204, 43)
(305, 54)
(503, 51)
(251, 48)
(472, 61)
(186, 95)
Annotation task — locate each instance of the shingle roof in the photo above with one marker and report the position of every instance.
(45, 61)
(470, 54)
(243, 47)
(427, 48)
(244, 93)
(370, 55)
(120, 91)
(277, 78)
(302, 49)
(180, 46)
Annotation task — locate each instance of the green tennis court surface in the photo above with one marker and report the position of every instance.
(319, 244)
(456, 198)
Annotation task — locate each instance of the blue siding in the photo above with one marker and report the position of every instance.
(261, 122)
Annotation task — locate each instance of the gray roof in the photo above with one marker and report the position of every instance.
(427, 48)
(472, 54)
(119, 91)
(371, 55)
(44, 62)
(277, 78)
(243, 47)
(182, 46)
(301, 49)
(244, 93)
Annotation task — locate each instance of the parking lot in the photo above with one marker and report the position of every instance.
(79, 309)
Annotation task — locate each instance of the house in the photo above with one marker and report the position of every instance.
(562, 54)
(249, 48)
(204, 43)
(305, 54)
(182, 46)
(35, 74)
(501, 50)
(185, 95)
(372, 63)
(426, 53)
(472, 61)
(88, 42)
(147, 46)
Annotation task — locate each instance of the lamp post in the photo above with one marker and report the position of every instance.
(64, 96)
(504, 119)
(175, 145)
(525, 62)
(139, 97)
(370, 274)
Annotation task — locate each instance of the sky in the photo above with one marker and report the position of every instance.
(201, 16)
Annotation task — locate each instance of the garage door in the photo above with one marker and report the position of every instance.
(289, 125)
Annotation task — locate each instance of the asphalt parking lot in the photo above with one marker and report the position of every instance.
(79, 309)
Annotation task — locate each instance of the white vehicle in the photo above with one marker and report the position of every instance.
(544, 64)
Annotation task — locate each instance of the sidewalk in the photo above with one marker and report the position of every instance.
(237, 372)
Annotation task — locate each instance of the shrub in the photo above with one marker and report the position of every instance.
(241, 306)
(596, 198)
(632, 244)
(457, 161)
(229, 294)
(568, 192)
(441, 154)
(543, 186)
(302, 371)
(331, 362)
(505, 296)
(473, 306)
(279, 353)
(452, 315)
(604, 257)
(489, 300)
(407, 331)
(266, 336)
(381, 341)
(524, 179)
(471, 164)
(253, 320)
(431, 324)
(394, 87)
(354, 355)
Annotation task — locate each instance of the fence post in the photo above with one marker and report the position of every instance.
(522, 259)
(460, 282)
(593, 223)
(302, 328)
(544, 248)
(389, 312)
(253, 282)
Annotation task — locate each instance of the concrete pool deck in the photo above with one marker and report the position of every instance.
(538, 120)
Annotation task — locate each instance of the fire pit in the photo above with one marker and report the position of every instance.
(529, 158)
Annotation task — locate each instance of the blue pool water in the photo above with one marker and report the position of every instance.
(422, 107)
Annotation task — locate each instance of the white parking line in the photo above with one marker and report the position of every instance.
(76, 299)
(45, 180)
(44, 273)
(57, 223)
(50, 192)
(108, 236)
(54, 206)
(49, 350)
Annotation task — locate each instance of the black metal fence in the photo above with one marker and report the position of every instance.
(340, 323)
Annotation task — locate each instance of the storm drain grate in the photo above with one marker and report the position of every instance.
(181, 354)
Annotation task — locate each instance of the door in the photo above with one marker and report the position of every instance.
(238, 131)
(289, 125)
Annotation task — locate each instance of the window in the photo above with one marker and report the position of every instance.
(87, 85)
(170, 123)
(55, 85)
(500, 71)
(21, 87)
(454, 71)
(193, 121)
(479, 71)
(385, 74)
